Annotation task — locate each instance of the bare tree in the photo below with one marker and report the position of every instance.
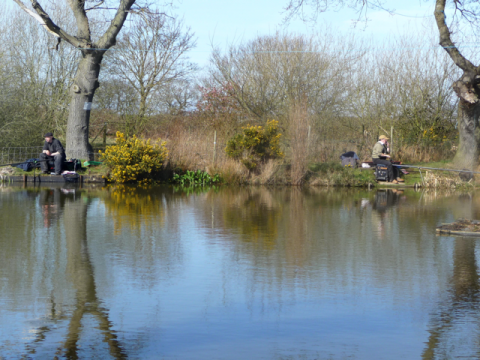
(273, 74)
(34, 78)
(92, 49)
(466, 16)
(152, 56)
(178, 96)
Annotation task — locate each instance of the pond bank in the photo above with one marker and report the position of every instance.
(38, 179)
(329, 174)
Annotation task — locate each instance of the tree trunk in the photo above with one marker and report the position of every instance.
(468, 135)
(82, 91)
(468, 125)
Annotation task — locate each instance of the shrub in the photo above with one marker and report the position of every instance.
(193, 178)
(132, 159)
(255, 145)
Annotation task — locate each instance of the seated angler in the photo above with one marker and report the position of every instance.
(53, 154)
(380, 156)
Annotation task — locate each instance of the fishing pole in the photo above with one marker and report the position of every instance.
(440, 169)
(24, 162)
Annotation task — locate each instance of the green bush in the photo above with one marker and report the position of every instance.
(255, 145)
(193, 178)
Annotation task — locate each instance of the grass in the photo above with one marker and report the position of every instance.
(100, 170)
(318, 174)
(334, 174)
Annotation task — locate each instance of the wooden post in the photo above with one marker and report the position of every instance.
(214, 146)
(308, 138)
(105, 135)
(391, 141)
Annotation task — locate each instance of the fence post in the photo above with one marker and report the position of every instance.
(391, 141)
(105, 135)
(308, 139)
(214, 146)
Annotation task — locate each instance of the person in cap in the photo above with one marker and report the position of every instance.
(380, 156)
(52, 154)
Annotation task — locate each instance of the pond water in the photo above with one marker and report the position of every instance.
(236, 273)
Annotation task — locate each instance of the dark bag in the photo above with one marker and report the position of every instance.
(29, 164)
(72, 165)
(381, 172)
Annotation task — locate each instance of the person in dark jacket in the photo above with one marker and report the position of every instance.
(52, 154)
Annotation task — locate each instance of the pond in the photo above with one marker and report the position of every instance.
(236, 273)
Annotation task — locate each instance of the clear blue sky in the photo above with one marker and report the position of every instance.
(222, 22)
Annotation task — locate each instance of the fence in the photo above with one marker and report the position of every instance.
(11, 155)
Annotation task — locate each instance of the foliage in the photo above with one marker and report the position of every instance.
(256, 144)
(198, 177)
(132, 159)
(427, 125)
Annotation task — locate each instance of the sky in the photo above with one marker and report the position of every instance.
(222, 23)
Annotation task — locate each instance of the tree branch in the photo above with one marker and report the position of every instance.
(44, 19)
(78, 9)
(446, 41)
(108, 39)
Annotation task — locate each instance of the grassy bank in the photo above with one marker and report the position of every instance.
(279, 172)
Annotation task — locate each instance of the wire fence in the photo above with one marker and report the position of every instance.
(10, 155)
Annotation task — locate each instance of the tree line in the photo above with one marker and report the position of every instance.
(321, 87)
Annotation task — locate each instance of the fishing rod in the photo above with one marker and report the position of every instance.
(440, 169)
(24, 162)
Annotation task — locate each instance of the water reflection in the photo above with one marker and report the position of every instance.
(455, 325)
(133, 206)
(82, 275)
(385, 200)
(68, 203)
(256, 272)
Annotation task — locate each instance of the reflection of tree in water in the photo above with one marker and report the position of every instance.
(81, 274)
(296, 246)
(449, 330)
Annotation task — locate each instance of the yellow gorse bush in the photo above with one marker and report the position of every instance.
(256, 144)
(133, 159)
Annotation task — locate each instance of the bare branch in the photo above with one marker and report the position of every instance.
(83, 27)
(96, 6)
(446, 41)
(44, 19)
(108, 39)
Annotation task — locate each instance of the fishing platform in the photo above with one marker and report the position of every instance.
(462, 227)
(41, 179)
